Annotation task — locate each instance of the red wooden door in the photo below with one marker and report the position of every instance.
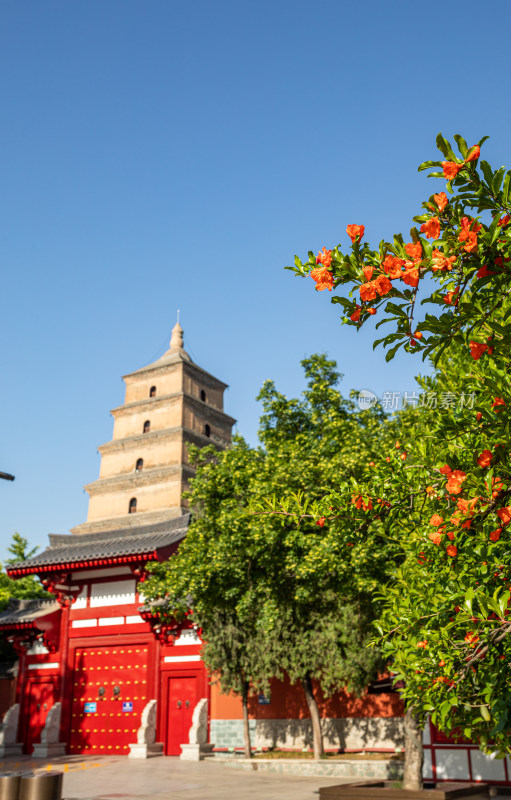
(41, 697)
(109, 695)
(182, 697)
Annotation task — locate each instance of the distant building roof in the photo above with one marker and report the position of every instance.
(25, 612)
(71, 551)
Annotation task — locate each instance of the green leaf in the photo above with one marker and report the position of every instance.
(392, 352)
(488, 173)
(505, 188)
(428, 164)
(444, 147)
(462, 145)
(498, 178)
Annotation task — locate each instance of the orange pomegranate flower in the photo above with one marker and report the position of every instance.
(451, 169)
(498, 402)
(368, 272)
(320, 522)
(504, 515)
(471, 637)
(355, 230)
(504, 221)
(356, 314)
(359, 502)
(477, 349)
(393, 266)
(324, 257)
(436, 520)
(458, 475)
(496, 486)
(423, 644)
(441, 262)
(468, 222)
(485, 458)
(435, 537)
(414, 250)
(470, 237)
(445, 470)
(431, 228)
(452, 550)
(454, 481)
(495, 535)
(466, 506)
(452, 297)
(483, 272)
(411, 277)
(382, 285)
(474, 153)
(324, 279)
(367, 291)
(441, 200)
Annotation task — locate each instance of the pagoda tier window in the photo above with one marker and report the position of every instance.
(139, 465)
(207, 430)
(147, 426)
(203, 395)
(152, 391)
(132, 506)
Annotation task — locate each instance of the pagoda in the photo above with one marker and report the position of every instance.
(98, 675)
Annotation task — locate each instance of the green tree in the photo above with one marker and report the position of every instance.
(24, 588)
(214, 576)
(280, 585)
(445, 492)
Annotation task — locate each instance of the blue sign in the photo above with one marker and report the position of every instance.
(128, 706)
(263, 700)
(90, 708)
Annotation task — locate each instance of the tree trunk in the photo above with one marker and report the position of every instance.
(246, 727)
(317, 736)
(414, 755)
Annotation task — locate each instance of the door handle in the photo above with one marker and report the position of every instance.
(179, 703)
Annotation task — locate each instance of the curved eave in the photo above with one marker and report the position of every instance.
(18, 626)
(73, 566)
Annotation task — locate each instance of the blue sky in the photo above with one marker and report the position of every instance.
(163, 155)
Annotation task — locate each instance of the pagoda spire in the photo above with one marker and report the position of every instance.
(176, 340)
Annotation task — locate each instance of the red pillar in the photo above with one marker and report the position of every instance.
(65, 675)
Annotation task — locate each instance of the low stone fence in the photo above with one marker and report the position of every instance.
(327, 767)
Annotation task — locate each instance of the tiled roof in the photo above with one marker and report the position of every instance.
(69, 548)
(19, 612)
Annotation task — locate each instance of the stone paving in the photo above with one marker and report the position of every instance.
(111, 778)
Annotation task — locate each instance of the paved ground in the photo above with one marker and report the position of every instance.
(111, 778)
